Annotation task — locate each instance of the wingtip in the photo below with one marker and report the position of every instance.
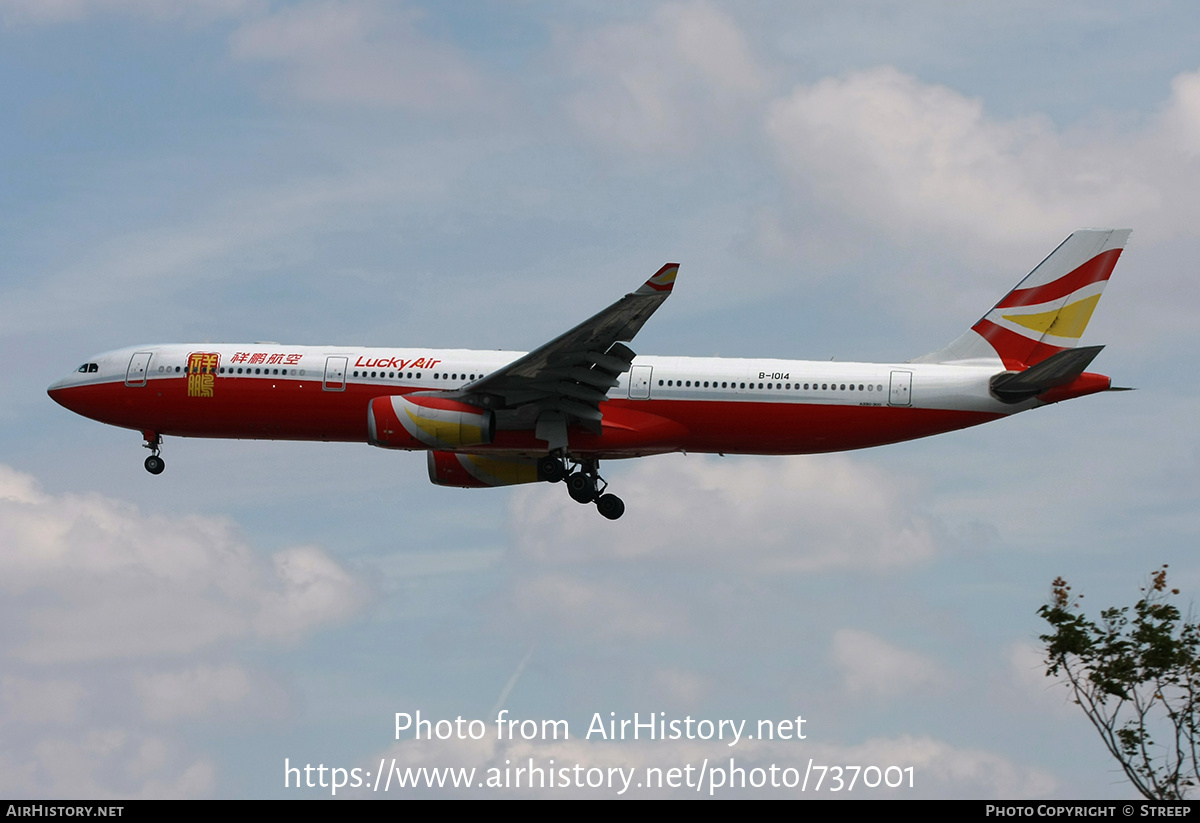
(662, 282)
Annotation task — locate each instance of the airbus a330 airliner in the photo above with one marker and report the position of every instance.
(497, 418)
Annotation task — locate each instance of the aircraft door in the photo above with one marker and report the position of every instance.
(139, 364)
(639, 382)
(901, 389)
(335, 373)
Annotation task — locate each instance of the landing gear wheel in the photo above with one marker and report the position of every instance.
(551, 469)
(581, 487)
(154, 463)
(610, 506)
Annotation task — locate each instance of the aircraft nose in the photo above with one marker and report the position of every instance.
(58, 391)
(55, 390)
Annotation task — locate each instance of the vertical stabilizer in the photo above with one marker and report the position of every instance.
(1047, 312)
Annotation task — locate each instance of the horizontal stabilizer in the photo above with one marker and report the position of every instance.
(1056, 370)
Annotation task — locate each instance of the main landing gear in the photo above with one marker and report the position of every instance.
(154, 464)
(584, 484)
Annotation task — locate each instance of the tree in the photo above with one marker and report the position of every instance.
(1137, 678)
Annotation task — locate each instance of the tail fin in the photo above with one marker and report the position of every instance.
(1047, 312)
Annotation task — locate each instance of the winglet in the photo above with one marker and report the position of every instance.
(662, 282)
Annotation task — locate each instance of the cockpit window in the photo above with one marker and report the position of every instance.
(82, 369)
(88, 368)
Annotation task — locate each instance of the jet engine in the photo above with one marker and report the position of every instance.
(427, 421)
(478, 471)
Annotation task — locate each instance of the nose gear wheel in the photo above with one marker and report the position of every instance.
(154, 464)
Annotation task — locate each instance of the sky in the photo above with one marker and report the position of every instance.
(855, 181)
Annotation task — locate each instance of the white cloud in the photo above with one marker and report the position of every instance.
(167, 695)
(666, 83)
(361, 54)
(591, 608)
(89, 580)
(909, 156)
(314, 590)
(94, 578)
(727, 524)
(872, 666)
(1181, 118)
(804, 513)
(40, 701)
(108, 763)
(680, 687)
(16, 487)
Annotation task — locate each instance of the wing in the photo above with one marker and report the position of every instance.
(571, 375)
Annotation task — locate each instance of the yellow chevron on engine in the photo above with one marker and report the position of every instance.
(445, 431)
(508, 472)
(1069, 321)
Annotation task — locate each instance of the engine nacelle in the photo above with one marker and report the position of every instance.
(427, 422)
(478, 471)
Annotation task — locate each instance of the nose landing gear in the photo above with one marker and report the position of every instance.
(154, 464)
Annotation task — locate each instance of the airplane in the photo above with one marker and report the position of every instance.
(498, 418)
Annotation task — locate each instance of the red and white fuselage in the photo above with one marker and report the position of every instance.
(500, 417)
(662, 404)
